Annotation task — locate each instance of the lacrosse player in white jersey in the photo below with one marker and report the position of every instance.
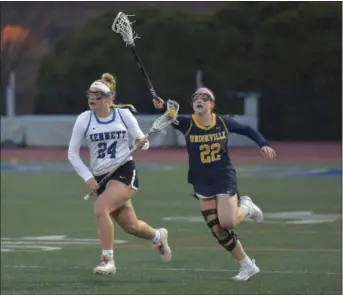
(110, 130)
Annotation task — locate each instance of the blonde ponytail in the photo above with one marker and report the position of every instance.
(109, 80)
(131, 107)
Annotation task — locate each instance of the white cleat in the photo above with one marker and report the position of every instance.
(246, 272)
(255, 213)
(107, 266)
(163, 247)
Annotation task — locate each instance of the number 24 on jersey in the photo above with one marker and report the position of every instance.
(103, 149)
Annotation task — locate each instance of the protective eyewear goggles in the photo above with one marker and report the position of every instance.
(203, 96)
(97, 94)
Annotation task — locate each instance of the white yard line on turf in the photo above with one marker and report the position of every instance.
(188, 270)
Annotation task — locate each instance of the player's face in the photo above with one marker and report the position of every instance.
(202, 103)
(97, 99)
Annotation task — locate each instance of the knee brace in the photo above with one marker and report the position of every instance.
(230, 241)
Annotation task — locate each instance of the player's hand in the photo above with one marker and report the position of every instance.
(158, 103)
(93, 185)
(268, 152)
(141, 142)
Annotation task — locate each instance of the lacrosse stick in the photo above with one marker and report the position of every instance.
(169, 117)
(122, 25)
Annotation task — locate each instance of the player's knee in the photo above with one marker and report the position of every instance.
(227, 238)
(211, 218)
(227, 222)
(100, 209)
(100, 212)
(230, 242)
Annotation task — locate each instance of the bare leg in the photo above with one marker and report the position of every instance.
(127, 219)
(229, 214)
(218, 229)
(113, 198)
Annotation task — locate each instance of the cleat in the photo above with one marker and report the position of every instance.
(163, 247)
(107, 266)
(255, 213)
(246, 272)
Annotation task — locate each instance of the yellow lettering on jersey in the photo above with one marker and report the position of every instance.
(208, 137)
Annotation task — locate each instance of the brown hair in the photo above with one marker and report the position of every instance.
(110, 81)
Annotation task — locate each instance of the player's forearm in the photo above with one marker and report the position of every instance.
(74, 153)
(80, 168)
(137, 133)
(134, 129)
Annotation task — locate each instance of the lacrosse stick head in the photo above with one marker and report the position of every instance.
(122, 25)
(169, 117)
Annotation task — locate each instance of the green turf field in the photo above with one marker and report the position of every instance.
(298, 252)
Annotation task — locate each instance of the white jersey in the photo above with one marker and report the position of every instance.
(109, 140)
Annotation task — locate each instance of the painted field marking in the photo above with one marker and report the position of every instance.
(288, 272)
(286, 217)
(46, 243)
(272, 249)
(13, 248)
(56, 242)
(45, 238)
(210, 248)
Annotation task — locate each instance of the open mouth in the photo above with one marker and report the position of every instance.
(199, 106)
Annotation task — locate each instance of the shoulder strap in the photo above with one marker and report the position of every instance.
(122, 119)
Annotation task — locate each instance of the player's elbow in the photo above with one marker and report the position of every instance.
(246, 129)
(71, 156)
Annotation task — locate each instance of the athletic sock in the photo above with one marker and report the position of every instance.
(157, 238)
(245, 207)
(107, 253)
(245, 261)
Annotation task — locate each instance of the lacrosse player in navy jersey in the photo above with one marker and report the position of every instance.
(213, 176)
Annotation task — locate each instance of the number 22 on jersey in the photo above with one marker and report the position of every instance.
(209, 152)
(110, 150)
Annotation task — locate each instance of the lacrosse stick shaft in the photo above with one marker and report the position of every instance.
(140, 64)
(122, 25)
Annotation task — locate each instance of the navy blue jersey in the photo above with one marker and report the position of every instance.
(209, 161)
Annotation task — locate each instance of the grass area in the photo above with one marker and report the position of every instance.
(298, 253)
